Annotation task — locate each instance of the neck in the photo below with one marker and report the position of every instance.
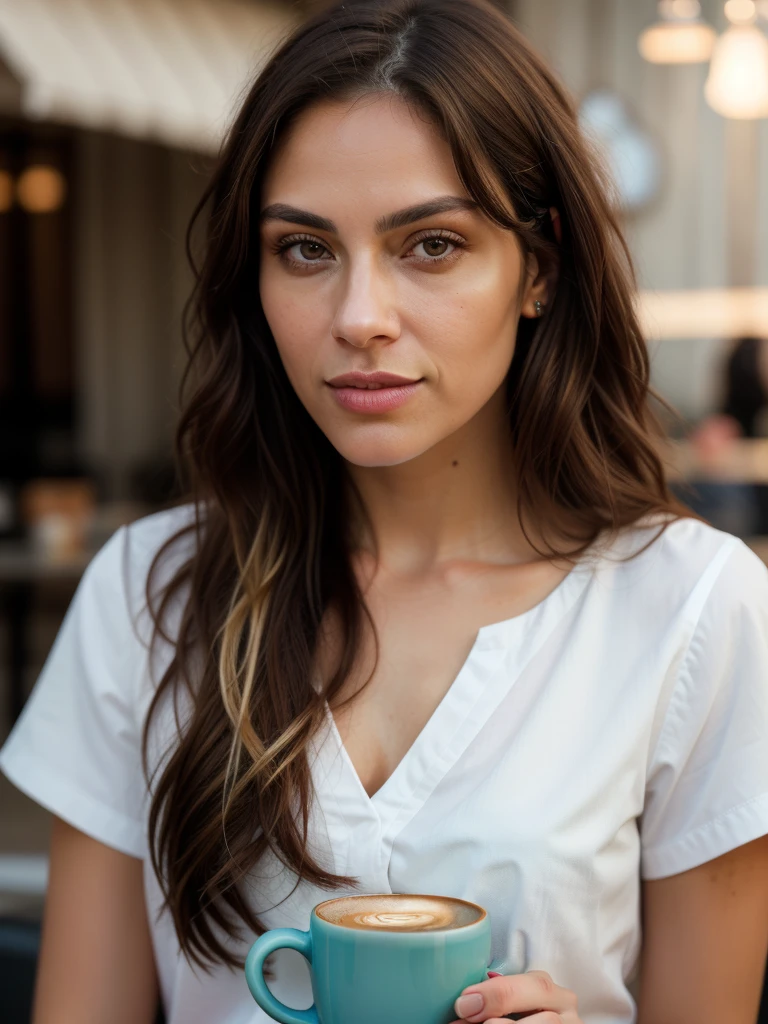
(457, 501)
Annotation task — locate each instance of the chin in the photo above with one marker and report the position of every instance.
(370, 457)
(386, 448)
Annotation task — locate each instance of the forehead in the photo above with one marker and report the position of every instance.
(371, 153)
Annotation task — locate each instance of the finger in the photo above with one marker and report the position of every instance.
(516, 993)
(512, 1016)
(545, 1017)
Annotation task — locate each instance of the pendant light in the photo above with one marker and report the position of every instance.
(737, 86)
(681, 36)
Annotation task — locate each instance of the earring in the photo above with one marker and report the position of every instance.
(539, 308)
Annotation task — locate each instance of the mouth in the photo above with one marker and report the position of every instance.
(371, 381)
(372, 393)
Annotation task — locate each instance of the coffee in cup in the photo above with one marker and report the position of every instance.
(397, 913)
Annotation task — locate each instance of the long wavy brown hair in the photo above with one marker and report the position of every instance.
(271, 540)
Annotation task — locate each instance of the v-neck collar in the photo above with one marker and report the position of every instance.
(498, 656)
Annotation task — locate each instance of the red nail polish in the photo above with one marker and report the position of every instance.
(493, 974)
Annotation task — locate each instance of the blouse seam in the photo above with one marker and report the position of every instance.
(143, 662)
(706, 827)
(48, 779)
(723, 556)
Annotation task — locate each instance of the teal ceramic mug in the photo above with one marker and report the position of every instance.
(386, 959)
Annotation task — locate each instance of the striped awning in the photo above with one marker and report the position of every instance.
(168, 70)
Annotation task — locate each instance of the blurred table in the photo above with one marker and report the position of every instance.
(742, 461)
(21, 570)
(20, 563)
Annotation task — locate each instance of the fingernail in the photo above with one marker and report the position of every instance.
(469, 1005)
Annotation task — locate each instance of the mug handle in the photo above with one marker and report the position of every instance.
(278, 938)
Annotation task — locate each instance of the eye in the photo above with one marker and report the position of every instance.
(309, 251)
(436, 247)
(301, 251)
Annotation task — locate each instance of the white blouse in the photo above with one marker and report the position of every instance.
(616, 731)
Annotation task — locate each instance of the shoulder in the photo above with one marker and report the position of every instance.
(77, 748)
(707, 769)
(683, 567)
(170, 534)
(148, 534)
(115, 581)
(129, 553)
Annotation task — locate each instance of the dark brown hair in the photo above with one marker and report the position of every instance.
(271, 539)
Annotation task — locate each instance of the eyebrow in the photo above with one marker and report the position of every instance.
(430, 208)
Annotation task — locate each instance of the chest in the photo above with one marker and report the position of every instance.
(521, 793)
(421, 634)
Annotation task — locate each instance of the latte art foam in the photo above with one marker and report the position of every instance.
(398, 913)
(416, 920)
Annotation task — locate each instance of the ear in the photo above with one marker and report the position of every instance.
(541, 281)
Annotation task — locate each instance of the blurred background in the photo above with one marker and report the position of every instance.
(111, 112)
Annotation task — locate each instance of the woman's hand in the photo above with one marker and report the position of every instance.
(532, 996)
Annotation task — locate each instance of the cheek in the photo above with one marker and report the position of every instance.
(470, 332)
(296, 332)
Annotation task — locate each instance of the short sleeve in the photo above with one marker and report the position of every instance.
(707, 784)
(76, 749)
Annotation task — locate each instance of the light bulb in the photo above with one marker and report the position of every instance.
(741, 12)
(737, 86)
(683, 9)
(677, 43)
(681, 37)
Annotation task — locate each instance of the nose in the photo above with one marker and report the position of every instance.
(366, 312)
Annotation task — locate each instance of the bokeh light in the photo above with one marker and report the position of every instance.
(740, 12)
(41, 189)
(681, 8)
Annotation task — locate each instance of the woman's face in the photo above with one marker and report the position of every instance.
(393, 300)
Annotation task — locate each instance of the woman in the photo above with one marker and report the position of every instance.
(433, 622)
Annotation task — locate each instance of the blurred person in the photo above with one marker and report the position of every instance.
(746, 377)
(432, 620)
(740, 508)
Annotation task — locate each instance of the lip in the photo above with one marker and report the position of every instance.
(375, 392)
(360, 379)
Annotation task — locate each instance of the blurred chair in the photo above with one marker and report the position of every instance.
(19, 946)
